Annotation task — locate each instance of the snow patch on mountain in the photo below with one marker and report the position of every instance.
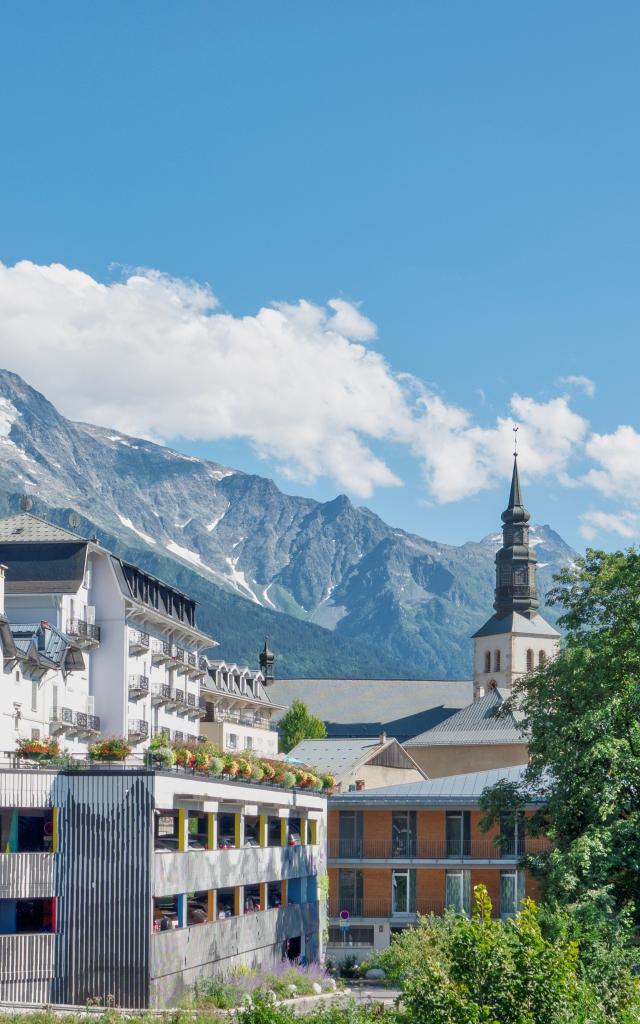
(129, 525)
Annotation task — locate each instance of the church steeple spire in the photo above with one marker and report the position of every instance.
(516, 561)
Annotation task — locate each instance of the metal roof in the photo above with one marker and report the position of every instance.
(454, 790)
(336, 757)
(518, 624)
(476, 724)
(363, 708)
(43, 640)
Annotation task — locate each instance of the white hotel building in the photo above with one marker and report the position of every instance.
(94, 645)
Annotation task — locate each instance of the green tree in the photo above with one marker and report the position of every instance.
(298, 724)
(582, 713)
(495, 973)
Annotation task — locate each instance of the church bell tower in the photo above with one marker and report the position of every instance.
(517, 638)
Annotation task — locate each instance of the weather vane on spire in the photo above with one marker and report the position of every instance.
(515, 442)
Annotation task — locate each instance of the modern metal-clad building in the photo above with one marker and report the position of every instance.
(127, 885)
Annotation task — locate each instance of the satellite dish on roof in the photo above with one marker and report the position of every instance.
(26, 503)
(74, 520)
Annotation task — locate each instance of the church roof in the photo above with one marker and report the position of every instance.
(516, 623)
(364, 708)
(475, 725)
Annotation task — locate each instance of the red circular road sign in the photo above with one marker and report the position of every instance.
(344, 914)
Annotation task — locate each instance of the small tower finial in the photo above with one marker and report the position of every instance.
(267, 659)
(515, 441)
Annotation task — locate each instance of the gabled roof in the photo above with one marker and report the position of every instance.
(362, 708)
(454, 790)
(25, 527)
(513, 622)
(476, 724)
(338, 757)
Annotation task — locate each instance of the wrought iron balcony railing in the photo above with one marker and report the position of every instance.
(138, 728)
(138, 687)
(82, 630)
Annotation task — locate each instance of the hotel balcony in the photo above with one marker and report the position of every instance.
(161, 651)
(161, 693)
(137, 730)
(138, 687)
(250, 718)
(87, 634)
(381, 851)
(78, 723)
(138, 642)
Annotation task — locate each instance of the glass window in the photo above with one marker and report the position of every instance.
(403, 833)
(354, 935)
(457, 891)
(496, 661)
(512, 830)
(458, 833)
(294, 834)
(487, 661)
(541, 658)
(350, 833)
(350, 890)
(529, 660)
(403, 892)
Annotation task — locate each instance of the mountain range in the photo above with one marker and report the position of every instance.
(338, 591)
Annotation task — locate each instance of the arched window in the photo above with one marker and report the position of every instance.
(529, 660)
(487, 661)
(541, 658)
(496, 661)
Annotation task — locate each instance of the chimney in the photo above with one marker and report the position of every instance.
(383, 737)
(359, 785)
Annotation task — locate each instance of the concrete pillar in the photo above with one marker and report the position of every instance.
(284, 831)
(304, 832)
(264, 833)
(313, 832)
(238, 900)
(238, 829)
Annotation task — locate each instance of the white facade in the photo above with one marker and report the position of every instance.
(240, 711)
(499, 658)
(136, 667)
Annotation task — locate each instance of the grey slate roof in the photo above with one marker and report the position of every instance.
(336, 757)
(454, 790)
(362, 708)
(45, 643)
(27, 527)
(476, 724)
(516, 623)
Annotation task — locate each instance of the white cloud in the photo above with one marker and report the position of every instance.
(582, 383)
(625, 523)
(154, 356)
(461, 458)
(618, 458)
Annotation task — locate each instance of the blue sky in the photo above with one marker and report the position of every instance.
(466, 175)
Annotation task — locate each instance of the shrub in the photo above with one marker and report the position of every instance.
(288, 780)
(115, 748)
(257, 772)
(37, 749)
(201, 760)
(184, 757)
(216, 764)
(164, 755)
